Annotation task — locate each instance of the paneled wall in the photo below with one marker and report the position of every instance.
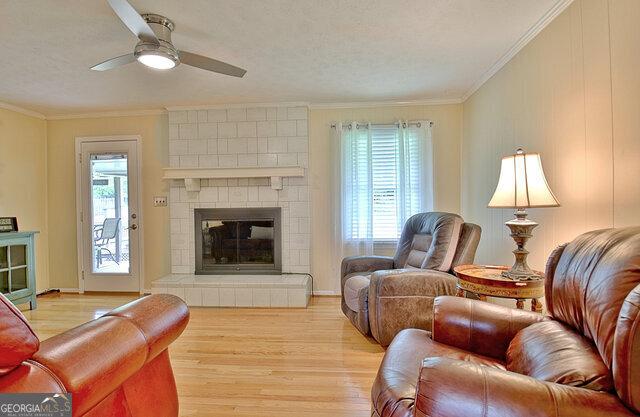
(572, 94)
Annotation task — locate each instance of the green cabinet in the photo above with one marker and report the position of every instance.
(18, 267)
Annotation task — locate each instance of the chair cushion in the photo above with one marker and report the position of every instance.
(419, 248)
(394, 389)
(550, 351)
(352, 288)
(31, 376)
(429, 241)
(18, 342)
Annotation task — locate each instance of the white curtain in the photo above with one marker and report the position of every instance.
(356, 188)
(415, 167)
(384, 175)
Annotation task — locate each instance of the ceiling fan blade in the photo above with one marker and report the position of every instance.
(132, 19)
(114, 62)
(209, 64)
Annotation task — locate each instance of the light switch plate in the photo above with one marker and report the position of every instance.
(160, 201)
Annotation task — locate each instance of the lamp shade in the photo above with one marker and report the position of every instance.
(522, 183)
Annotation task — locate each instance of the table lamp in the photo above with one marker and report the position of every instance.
(522, 185)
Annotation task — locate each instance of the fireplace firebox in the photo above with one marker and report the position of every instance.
(238, 241)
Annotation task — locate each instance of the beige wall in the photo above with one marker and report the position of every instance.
(572, 94)
(153, 129)
(23, 181)
(446, 148)
(57, 178)
(62, 181)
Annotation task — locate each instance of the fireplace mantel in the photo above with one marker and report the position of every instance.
(192, 176)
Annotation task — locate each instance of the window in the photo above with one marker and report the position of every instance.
(384, 161)
(385, 177)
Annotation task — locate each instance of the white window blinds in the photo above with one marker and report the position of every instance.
(385, 176)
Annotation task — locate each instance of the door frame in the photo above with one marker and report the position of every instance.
(78, 153)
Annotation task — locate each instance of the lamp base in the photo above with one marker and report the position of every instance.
(521, 230)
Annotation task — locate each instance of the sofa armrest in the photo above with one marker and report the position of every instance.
(478, 326)
(403, 298)
(453, 388)
(160, 317)
(354, 264)
(94, 359)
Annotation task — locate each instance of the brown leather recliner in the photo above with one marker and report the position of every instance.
(382, 295)
(116, 365)
(486, 360)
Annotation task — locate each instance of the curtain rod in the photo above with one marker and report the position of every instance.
(397, 124)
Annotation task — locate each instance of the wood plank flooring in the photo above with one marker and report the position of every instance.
(251, 362)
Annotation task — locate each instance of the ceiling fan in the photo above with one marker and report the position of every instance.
(155, 49)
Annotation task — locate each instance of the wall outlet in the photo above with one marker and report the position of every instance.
(160, 201)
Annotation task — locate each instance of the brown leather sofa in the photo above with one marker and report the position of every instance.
(486, 360)
(116, 365)
(382, 295)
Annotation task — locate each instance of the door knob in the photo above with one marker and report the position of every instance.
(133, 227)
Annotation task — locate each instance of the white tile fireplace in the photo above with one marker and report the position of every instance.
(240, 157)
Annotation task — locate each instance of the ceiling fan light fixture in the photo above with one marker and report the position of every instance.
(157, 60)
(155, 49)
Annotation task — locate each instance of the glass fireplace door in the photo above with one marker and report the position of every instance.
(237, 241)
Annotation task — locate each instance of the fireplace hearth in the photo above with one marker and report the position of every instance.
(238, 241)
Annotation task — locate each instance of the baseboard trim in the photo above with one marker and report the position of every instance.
(58, 290)
(69, 290)
(319, 293)
(326, 293)
(77, 290)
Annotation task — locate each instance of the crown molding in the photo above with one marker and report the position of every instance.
(389, 103)
(239, 106)
(22, 110)
(95, 115)
(542, 23)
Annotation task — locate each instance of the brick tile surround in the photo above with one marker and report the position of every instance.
(240, 137)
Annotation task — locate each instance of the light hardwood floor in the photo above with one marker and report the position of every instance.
(251, 362)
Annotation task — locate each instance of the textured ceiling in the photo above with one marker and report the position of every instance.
(294, 50)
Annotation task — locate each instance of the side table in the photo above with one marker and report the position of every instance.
(486, 280)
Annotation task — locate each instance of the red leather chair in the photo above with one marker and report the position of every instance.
(486, 360)
(117, 365)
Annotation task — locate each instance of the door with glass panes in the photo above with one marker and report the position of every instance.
(109, 216)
